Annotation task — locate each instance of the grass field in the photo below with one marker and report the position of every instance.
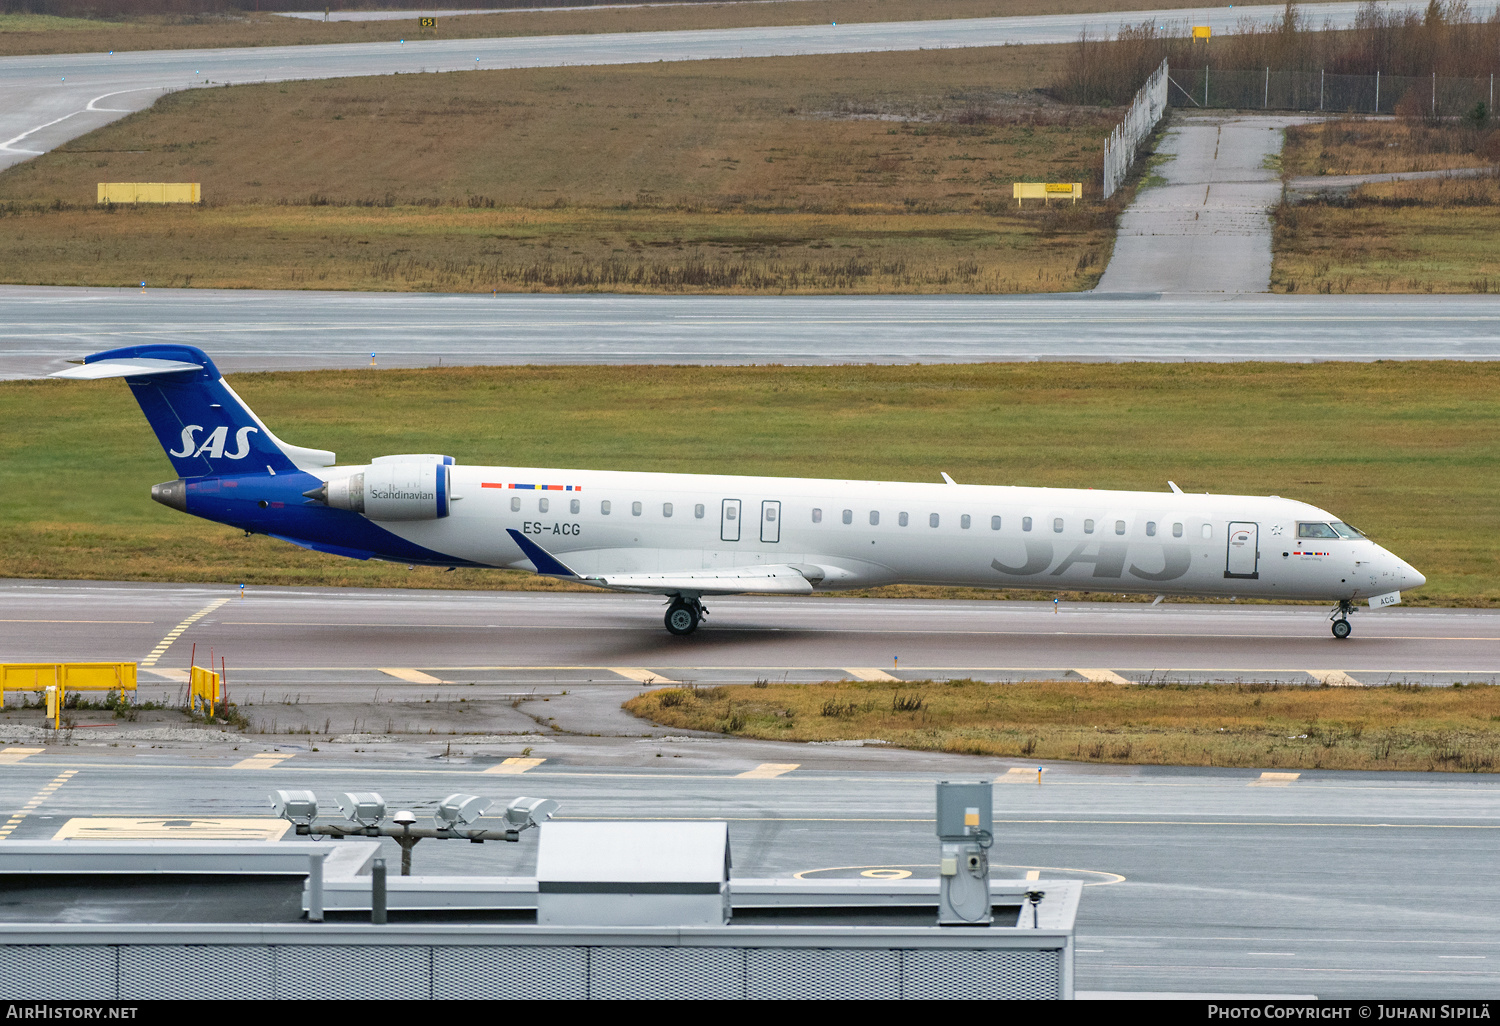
(1392, 728)
(855, 173)
(30, 33)
(1403, 450)
(1423, 236)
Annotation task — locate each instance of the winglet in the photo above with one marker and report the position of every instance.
(540, 558)
(946, 478)
(1175, 489)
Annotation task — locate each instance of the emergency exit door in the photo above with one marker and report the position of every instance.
(729, 521)
(1243, 559)
(770, 521)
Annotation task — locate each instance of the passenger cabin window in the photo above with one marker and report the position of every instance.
(698, 511)
(604, 507)
(635, 509)
(902, 519)
(541, 505)
(932, 520)
(666, 509)
(770, 514)
(1057, 525)
(1176, 530)
(515, 504)
(1025, 523)
(874, 517)
(1119, 527)
(848, 516)
(994, 523)
(963, 521)
(573, 506)
(1208, 532)
(731, 512)
(817, 515)
(1088, 527)
(1315, 531)
(1151, 529)
(1347, 532)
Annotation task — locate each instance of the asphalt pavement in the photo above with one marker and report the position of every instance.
(50, 99)
(43, 327)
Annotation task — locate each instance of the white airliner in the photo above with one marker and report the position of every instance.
(685, 536)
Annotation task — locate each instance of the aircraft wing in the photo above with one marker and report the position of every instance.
(774, 579)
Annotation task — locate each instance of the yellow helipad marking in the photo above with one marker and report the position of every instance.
(163, 827)
(514, 765)
(886, 874)
(171, 827)
(1102, 676)
(10, 756)
(176, 632)
(767, 770)
(1274, 779)
(1099, 876)
(1020, 775)
(1333, 678)
(638, 673)
(37, 799)
(1033, 874)
(869, 673)
(175, 676)
(413, 676)
(263, 760)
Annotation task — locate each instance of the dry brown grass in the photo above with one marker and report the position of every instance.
(855, 173)
(1434, 235)
(1251, 725)
(23, 34)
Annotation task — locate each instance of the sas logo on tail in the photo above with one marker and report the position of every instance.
(213, 445)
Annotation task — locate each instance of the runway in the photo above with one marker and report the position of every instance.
(51, 99)
(1200, 882)
(43, 327)
(525, 638)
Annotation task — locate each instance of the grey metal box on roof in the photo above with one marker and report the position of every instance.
(633, 874)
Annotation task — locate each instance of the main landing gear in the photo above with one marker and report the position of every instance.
(683, 615)
(1342, 628)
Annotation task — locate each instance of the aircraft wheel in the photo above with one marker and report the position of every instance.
(682, 618)
(1342, 629)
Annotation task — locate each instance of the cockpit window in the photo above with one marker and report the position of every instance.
(1345, 531)
(1315, 531)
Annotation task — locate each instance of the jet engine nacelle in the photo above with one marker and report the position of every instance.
(391, 491)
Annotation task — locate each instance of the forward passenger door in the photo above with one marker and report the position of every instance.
(1243, 558)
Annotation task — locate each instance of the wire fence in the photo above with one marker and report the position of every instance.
(1265, 89)
(1145, 111)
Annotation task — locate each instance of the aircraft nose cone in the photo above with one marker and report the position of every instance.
(1414, 577)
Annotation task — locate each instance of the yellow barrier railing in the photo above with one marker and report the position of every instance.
(1046, 191)
(205, 690)
(66, 677)
(150, 192)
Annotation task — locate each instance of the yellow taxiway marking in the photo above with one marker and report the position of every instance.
(642, 675)
(1033, 874)
(1102, 676)
(1020, 775)
(10, 756)
(413, 676)
(1274, 779)
(37, 799)
(1333, 678)
(263, 760)
(767, 770)
(262, 828)
(176, 632)
(514, 765)
(869, 673)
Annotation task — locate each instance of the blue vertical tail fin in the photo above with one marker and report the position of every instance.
(205, 428)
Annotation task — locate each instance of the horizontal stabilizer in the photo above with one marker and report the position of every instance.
(133, 367)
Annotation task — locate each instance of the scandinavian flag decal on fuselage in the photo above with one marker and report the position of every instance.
(533, 487)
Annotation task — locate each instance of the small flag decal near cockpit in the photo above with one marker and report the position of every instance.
(1312, 553)
(533, 487)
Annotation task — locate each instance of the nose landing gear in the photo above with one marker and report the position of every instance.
(683, 615)
(1342, 628)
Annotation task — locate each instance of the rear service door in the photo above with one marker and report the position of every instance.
(1243, 559)
(770, 521)
(729, 521)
